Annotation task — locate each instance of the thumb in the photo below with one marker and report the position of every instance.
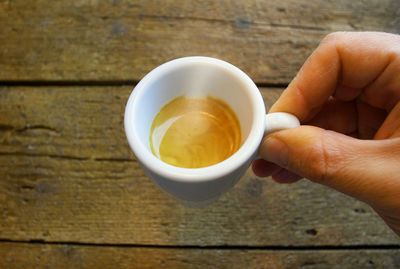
(364, 169)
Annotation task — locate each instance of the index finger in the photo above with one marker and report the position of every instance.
(349, 60)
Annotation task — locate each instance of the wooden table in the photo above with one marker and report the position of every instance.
(72, 194)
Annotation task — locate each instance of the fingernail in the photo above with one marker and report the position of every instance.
(275, 151)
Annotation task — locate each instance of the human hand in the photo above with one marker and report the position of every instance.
(347, 95)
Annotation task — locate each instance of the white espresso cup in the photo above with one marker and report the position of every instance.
(199, 77)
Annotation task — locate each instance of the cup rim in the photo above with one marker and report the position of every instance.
(203, 174)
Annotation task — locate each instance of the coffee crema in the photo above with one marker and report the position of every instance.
(194, 132)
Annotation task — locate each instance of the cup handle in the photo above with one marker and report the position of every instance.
(280, 120)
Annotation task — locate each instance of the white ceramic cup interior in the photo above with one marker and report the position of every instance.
(198, 77)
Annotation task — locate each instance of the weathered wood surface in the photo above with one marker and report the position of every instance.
(122, 40)
(67, 175)
(69, 256)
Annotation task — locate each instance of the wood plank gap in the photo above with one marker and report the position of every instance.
(67, 83)
(66, 157)
(271, 85)
(94, 83)
(215, 247)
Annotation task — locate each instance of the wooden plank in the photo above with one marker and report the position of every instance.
(17, 255)
(58, 199)
(123, 40)
(76, 122)
(71, 177)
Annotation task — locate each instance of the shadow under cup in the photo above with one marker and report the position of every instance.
(195, 77)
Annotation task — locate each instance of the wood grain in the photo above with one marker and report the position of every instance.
(61, 256)
(123, 40)
(71, 177)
